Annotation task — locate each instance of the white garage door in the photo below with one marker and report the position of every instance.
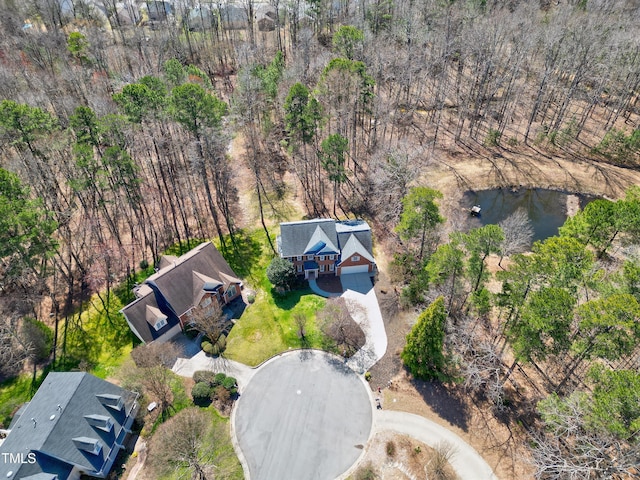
(355, 269)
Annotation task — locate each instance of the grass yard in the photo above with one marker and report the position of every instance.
(14, 393)
(269, 326)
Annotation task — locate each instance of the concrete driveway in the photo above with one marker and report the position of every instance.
(304, 415)
(363, 305)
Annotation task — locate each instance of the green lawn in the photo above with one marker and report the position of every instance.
(268, 326)
(14, 393)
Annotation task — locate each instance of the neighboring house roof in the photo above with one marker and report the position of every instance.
(177, 288)
(326, 237)
(68, 409)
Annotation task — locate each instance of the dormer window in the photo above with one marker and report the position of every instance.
(111, 401)
(102, 422)
(90, 445)
(160, 322)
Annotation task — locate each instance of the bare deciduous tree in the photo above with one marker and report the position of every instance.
(191, 441)
(151, 374)
(337, 324)
(209, 320)
(518, 234)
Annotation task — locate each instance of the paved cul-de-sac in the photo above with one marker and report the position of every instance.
(303, 415)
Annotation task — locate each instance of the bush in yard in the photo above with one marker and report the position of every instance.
(219, 378)
(391, 448)
(220, 344)
(201, 394)
(207, 347)
(205, 376)
(281, 273)
(231, 385)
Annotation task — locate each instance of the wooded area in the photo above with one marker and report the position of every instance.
(116, 124)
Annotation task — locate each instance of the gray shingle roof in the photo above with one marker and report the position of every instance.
(295, 236)
(54, 417)
(353, 246)
(179, 283)
(324, 237)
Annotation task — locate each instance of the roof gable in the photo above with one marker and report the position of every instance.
(177, 288)
(298, 237)
(320, 244)
(354, 246)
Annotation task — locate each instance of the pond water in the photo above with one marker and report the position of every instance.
(547, 209)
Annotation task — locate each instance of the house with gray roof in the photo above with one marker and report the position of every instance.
(74, 425)
(327, 247)
(167, 299)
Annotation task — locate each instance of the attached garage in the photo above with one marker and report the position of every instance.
(354, 269)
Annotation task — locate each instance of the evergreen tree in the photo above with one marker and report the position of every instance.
(420, 214)
(423, 354)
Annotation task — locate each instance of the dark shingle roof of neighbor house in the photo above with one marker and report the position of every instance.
(307, 237)
(54, 417)
(179, 284)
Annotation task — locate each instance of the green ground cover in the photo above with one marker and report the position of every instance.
(269, 326)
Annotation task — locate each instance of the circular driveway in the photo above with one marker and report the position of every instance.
(303, 415)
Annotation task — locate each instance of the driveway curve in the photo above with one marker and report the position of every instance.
(303, 415)
(466, 461)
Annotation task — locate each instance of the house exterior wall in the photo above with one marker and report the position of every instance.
(230, 298)
(327, 262)
(349, 262)
(175, 330)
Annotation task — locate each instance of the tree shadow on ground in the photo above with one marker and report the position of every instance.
(244, 255)
(444, 401)
(289, 299)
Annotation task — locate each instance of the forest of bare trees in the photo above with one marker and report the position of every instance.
(115, 121)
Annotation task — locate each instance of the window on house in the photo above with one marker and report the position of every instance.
(322, 258)
(330, 257)
(322, 268)
(331, 267)
(355, 258)
(309, 257)
(231, 291)
(206, 302)
(299, 268)
(160, 322)
(299, 258)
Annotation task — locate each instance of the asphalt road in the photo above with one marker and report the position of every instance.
(304, 415)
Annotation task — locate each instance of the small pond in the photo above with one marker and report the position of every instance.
(547, 209)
